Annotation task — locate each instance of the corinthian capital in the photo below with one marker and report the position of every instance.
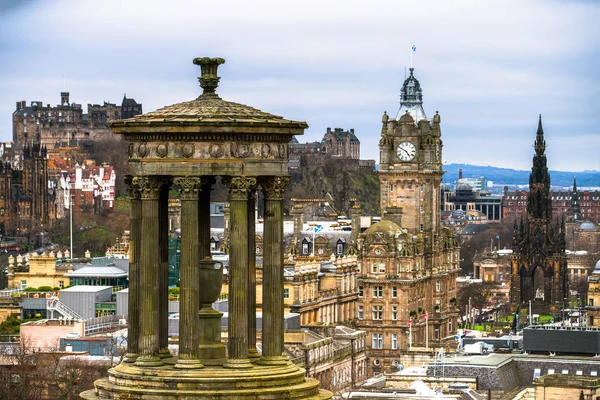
(151, 186)
(133, 186)
(274, 186)
(240, 186)
(189, 187)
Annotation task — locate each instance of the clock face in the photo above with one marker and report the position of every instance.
(406, 151)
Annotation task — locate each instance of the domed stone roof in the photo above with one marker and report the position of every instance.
(407, 118)
(463, 186)
(385, 227)
(587, 226)
(209, 110)
(596, 269)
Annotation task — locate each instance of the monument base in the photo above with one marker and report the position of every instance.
(165, 382)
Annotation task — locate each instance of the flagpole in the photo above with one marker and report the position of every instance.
(410, 333)
(426, 333)
(71, 221)
(411, 51)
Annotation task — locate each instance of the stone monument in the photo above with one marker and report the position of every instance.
(185, 147)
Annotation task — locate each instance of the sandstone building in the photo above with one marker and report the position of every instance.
(409, 262)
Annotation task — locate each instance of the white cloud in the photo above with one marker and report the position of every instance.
(489, 67)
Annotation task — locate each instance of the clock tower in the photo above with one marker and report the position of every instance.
(409, 262)
(410, 169)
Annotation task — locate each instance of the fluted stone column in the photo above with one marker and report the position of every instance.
(133, 317)
(239, 188)
(204, 217)
(188, 274)
(211, 349)
(149, 277)
(272, 326)
(163, 300)
(252, 351)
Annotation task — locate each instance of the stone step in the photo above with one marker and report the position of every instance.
(308, 390)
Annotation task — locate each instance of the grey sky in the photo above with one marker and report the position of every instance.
(489, 67)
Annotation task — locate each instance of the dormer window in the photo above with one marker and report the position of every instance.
(339, 247)
(306, 246)
(214, 243)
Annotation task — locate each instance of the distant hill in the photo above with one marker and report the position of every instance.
(511, 177)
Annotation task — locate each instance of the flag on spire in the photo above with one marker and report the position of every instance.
(413, 47)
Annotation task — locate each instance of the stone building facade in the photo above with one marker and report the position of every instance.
(576, 204)
(341, 143)
(27, 200)
(409, 262)
(66, 123)
(593, 298)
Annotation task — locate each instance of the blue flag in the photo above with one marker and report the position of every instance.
(414, 48)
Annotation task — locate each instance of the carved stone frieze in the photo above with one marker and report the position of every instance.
(142, 149)
(187, 150)
(162, 150)
(208, 150)
(216, 150)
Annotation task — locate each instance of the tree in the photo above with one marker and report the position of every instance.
(479, 293)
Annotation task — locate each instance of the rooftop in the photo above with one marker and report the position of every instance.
(86, 289)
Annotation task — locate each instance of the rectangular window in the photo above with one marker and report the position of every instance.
(378, 292)
(23, 284)
(377, 341)
(394, 292)
(360, 291)
(438, 286)
(421, 228)
(61, 284)
(550, 371)
(382, 268)
(374, 268)
(394, 341)
(394, 313)
(377, 313)
(304, 249)
(286, 293)
(391, 187)
(361, 313)
(591, 301)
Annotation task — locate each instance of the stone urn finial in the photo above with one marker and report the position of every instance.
(209, 80)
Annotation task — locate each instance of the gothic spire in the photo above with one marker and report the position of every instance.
(575, 211)
(539, 204)
(540, 143)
